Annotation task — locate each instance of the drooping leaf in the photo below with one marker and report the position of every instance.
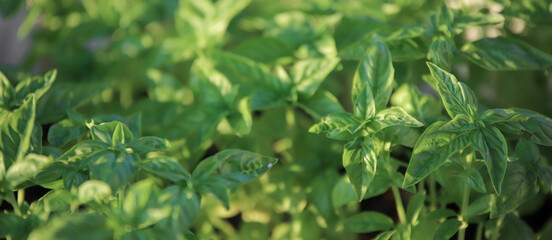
(360, 162)
(521, 122)
(492, 146)
(517, 187)
(433, 148)
(233, 167)
(457, 97)
(474, 179)
(373, 81)
(366, 222)
(504, 53)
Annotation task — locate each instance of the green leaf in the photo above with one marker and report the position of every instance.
(115, 170)
(342, 192)
(93, 190)
(385, 235)
(233, 167)
(15, 131)
(502, 53)
(141, 204)
(457, 97)
(336, 125)
(517, 188)
(323, 103)
(415, 205)
(7, 93)
(360, 162)
(366, 222)
(395, 116)
(459, 123)
(263, 49)
(64, 131)
(477, 19)
(218, 188)
(410, 31)
(439, 214)
(481, 206)
(521, 122)
(441, 51)
(474, 179)
(35, 85)
(310, 73)
(26, 168)
(373, 81)
(447, 229)
(183, 205)
(423, 107)
(240, 70)
(165, 167)
(74, 226)
(514, 228)
(121, 135)
(492, 146)
(145, 145)
(241, 120)
(433, 148)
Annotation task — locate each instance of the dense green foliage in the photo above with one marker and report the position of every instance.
(259, 119)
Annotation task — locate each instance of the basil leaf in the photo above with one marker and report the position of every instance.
(26, 168)
(457, 97)
(459, 123)
(433, 148)
(521, 122)
(502, 53)
(447, 229)
(395, 116)
(35, 85)
(410, 31)
(423, 107)
(121, 135)
(366, 222)
(517, 188)
(481, 206)
(16, 128)
(492, 146)
(183, 205)
(474, 179)
(476, 19)
(359, 160)
(145, 145)
(441, 51)
(7, 93)
(310, 73)
(336, 123)
(165, 167)
(373, 81)
(322, 103)
(414, 207)
(74, 226)
(234, 167)
(93, 190)
(263, 49)
(115, 170)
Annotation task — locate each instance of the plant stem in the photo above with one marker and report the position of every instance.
(496, 231)
(11, 200)
(479, 233)
(432, 193)
(20, 197)
(398, 204)
(396, 194)
(465, 204)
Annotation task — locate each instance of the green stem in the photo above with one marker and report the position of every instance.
(20, 197)
(398, 204)
(432, 193)
(465, 204)
(479, 233)
(396, 194)
(11, 200)
(496, 231)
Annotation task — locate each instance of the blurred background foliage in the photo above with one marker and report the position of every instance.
(146, 58)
